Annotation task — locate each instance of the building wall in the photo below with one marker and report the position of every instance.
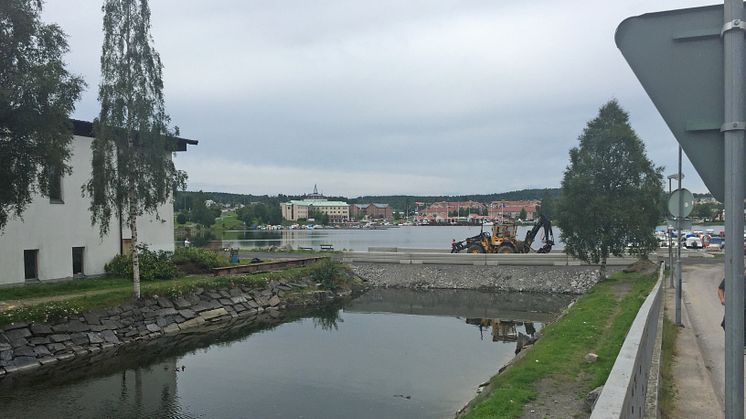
(296, 210)
(54, 229)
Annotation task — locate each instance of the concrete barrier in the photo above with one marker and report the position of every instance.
(486, 259)
(624, 394)
(265, 266)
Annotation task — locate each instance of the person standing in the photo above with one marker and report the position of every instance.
(721, 297)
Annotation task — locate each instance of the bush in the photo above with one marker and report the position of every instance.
(120, 265)
(327, 274)
(181, 218)
(153, 265)
(201, 259)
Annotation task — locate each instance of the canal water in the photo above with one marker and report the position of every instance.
(387, 354)
(418, 237)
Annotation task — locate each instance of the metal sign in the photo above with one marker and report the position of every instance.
(686, 223)
(686, 207)
(678, 57)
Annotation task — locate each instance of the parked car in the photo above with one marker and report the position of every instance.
(716, 244)
(693, 242)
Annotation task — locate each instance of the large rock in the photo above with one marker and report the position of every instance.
(40, 329)
(24, 351)
(95, 337)
(165, 302)
(182, 303)
(592, 398)
(211, 314)
(15, 325)
(110, 337)
(18, 333)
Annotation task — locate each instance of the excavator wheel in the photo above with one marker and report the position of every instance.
(506, 249)
(475, 248)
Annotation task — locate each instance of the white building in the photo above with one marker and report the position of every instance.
(54, 238)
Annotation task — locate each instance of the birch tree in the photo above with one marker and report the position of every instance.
(133, 172)
(611, 192)
(37, 94)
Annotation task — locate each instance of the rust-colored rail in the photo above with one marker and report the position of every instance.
(266, 266)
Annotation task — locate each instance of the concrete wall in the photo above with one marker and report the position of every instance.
(624, 394)
(55, 228)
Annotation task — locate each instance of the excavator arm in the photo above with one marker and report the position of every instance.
(541, 223)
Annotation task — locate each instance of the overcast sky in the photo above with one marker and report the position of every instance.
(424, 97)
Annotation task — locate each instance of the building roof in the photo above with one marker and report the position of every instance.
(317, 203)
(85, 129)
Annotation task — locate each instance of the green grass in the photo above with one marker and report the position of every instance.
(597, 323)
(60, 288)
(667, 391)
(114, 291)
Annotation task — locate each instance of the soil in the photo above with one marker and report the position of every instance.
(559, 397)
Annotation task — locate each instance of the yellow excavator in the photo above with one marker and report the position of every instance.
(503, 239)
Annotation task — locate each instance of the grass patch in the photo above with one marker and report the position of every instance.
(597, 323)
(666, 390)
(114, 291)
(60, 288)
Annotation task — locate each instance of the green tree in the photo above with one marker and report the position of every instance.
(37, 94)
(203, 215)
(181, 218)
(548, 205)
(522, 215)
(706, 211)
(610, 191)
(133, 171)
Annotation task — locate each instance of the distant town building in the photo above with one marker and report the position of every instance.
(372, 211)
(512, 209)
(441, 210)
(55, 238)
(338, 211)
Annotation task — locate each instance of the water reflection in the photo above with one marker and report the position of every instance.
(414, 355)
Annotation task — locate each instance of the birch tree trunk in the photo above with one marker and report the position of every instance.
(135, 248)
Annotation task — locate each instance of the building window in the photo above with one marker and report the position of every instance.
(30, 264)
(55, 186)
(78, 260)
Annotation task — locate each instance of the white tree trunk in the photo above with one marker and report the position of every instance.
(134, 248)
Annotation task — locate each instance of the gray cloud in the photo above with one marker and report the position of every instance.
(418, 97)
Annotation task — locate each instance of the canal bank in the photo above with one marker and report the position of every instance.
(78, 340)
(574, 355)
(573, 280)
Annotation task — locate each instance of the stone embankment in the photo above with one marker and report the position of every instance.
(100, 334)
(541, 279)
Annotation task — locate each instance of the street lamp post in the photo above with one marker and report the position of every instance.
(675, 176)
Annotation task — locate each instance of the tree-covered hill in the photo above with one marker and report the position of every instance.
(184, 199)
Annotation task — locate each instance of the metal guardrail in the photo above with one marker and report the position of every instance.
(415, 257)
(265, 266)
(624, 394)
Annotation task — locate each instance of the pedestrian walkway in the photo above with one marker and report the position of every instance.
(699, 365)
(695, 396)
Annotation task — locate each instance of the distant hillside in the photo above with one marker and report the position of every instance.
(398, 202)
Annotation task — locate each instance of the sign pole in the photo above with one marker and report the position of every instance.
(733, 128)
(678, 248)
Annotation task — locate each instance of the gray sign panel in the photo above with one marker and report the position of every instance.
(687, 201)
(678, 57)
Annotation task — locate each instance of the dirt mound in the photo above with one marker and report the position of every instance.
(645, 266)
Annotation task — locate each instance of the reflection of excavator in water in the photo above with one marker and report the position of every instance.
(503, 239)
